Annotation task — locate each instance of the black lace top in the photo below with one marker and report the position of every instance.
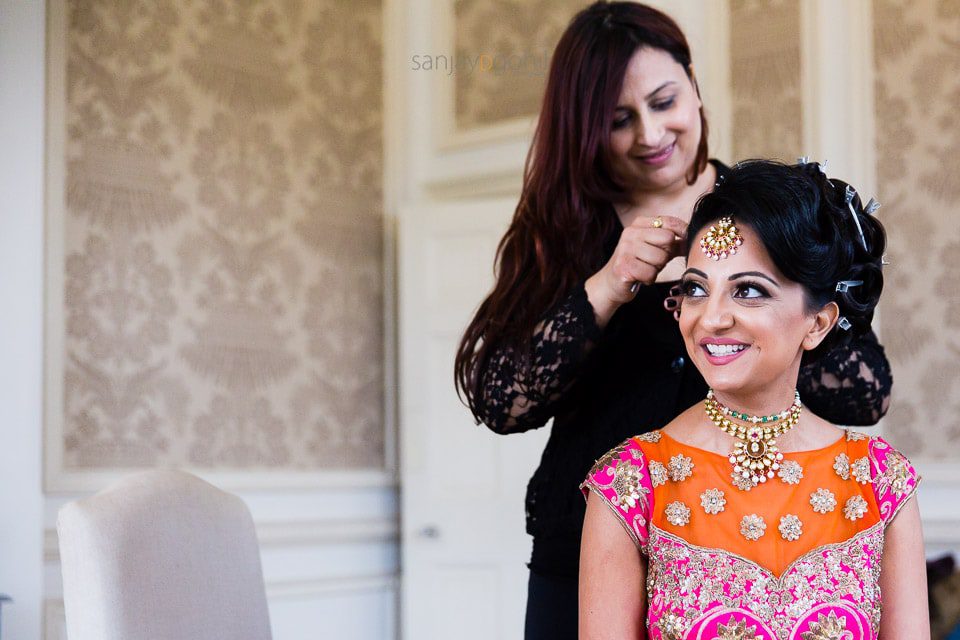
(603, 387)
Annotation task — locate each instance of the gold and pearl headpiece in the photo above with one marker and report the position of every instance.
(721, 239)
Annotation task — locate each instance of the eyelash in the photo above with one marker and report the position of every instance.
(663, 105)
(688, 286)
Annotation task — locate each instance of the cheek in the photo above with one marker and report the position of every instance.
(620, 142)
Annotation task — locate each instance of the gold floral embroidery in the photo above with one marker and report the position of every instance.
(790, 527)
(896, 476)
(680, 467)
(650, 436)
(608, 458)
(626, 485)
(823, 501)
(744, 484)
(827, 627)
(752, 527)
(854, 436)
(860, 469)
(736, 630)
(790, 471)
(672, 627)
(678, 514)
(688, 580)
(855, 508)
(712, 501)
(658, 473)
(841, 465)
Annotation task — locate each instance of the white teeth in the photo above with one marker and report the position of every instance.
(724, 349)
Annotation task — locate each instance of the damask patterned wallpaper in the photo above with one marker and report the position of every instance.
(223, 263)
(917, 53)
(765, 79)
(509, 43)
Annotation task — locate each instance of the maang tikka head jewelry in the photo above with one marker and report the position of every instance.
(721, 240)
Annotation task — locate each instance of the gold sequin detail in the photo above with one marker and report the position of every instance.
(678, 514)
(853, 436)
(790, 471)
(712, 501)
(626, 485)
(736, 630)
(790, 527)
(650, 436)
(823, 501)
(658, 473)
(860, 469)
(855, 508)
(841, 464)
(672, 627)
(752, 527)
(827, 627)
(680, 467)
(896, 475)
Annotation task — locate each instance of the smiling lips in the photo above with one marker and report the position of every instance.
(660, 156)
(720, 351)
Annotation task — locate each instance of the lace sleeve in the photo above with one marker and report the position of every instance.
(520, 393)
(850, 385)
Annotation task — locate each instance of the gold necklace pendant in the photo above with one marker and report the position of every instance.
(755, 456)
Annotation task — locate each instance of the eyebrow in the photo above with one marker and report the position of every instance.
(736, 276)
(655, 91)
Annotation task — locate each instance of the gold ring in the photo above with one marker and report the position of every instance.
(657, 222)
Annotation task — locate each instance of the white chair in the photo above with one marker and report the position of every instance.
(161, 555)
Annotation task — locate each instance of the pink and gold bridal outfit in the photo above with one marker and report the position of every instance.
(796, 557)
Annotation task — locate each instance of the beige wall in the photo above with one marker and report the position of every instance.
(222, 236)
(917, 55)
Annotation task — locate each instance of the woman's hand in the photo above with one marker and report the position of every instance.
(645, 247)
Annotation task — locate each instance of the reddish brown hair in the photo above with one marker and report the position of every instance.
(564, 216)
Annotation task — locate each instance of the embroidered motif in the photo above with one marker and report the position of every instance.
(896, 476)
(752, 527)
(687, 581)
(626, 485)
(745, 484)
(678, 514)
(712, 501)
(736, 630)
(658, 473)
(860, 469)
(680, 467)
(790, 471)
(790, 527)
(672, 627)
(823, 501)
(650, 436)
(841, 465)
(827, 627)
(855, 508)
(609, 457)
(854, 436)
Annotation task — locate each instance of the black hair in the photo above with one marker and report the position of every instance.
(806, 226)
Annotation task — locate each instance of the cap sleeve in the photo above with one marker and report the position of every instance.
(621, 480)
(894, 478)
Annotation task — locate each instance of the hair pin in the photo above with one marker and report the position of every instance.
(850, 192)
(883, 260)
(872, 206)
(846, 285)
(844, 324)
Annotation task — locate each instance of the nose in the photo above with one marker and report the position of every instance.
(717, 315)
(649, 130)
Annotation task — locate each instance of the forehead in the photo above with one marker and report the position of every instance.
(648, 69)
(750, 256)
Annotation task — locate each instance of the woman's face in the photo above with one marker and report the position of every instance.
(744, 324)
(656, 127)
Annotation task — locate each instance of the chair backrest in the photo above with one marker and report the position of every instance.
(161, 555)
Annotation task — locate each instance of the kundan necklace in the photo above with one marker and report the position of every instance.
(755, 456)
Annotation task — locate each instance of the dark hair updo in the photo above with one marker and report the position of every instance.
(803, 220)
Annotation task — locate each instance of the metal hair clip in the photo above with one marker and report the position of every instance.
(844, 324)
(803, 160)
(883, 260)
(850, 192)
(872, 206)
(846, 285)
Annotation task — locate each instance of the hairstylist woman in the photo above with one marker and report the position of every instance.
(575, 327)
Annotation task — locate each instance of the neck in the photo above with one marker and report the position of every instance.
(676, 200)
(760, 403)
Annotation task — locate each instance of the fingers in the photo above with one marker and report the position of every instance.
(668, 224)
